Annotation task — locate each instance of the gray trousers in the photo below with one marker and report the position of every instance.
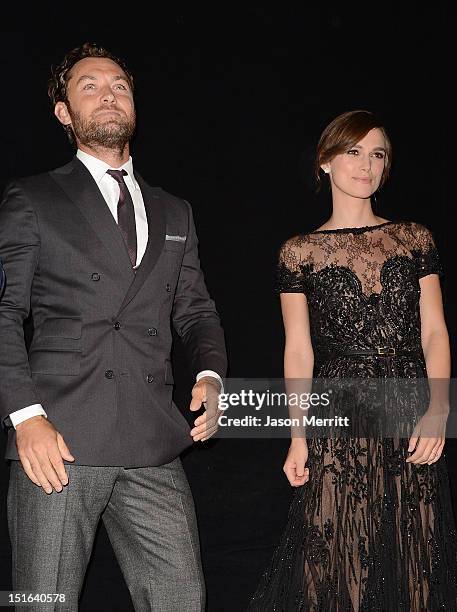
(150, 520)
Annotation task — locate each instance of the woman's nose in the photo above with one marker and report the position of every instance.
(365, 162)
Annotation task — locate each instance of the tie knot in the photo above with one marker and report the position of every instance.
(118, 175)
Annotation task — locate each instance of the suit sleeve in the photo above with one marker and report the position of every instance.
(194, 315)
(2, 277)
(19, 252)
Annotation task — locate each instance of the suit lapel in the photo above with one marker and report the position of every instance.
(156, 216)
(82, 190)
(78, 184)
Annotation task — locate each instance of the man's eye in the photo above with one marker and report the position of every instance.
(120, 86)
(89, 86)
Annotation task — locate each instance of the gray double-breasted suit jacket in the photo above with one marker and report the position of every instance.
(99, 361)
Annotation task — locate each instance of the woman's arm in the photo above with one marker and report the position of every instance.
(435, 344)
(298, 372)
(434, 334)
(298, 353)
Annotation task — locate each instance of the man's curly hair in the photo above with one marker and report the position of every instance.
(57, 85)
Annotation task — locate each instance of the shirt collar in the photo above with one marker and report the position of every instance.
(98, 168)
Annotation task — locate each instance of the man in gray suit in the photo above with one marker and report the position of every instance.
(105, 264)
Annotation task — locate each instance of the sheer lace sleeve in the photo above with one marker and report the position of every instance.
(289, 277)
(425, 252)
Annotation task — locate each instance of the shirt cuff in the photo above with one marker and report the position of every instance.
(214, 375)
(26, 413)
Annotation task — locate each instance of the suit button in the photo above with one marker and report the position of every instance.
(150, 378)
(117, 325)
(152, 331)
(109, 374)
(168, 287)
(95, 276)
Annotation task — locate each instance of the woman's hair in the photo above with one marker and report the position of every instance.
(57, 84)
(343, 133)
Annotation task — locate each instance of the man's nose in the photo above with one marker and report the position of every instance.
(108, 95)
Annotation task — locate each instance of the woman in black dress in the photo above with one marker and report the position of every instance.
(370, 526)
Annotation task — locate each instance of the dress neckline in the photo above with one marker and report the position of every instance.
(352, 230)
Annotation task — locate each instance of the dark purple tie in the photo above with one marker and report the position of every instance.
(125, 214)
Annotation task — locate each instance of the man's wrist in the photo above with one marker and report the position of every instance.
(211, 380)
(18, 416)
(211, 377)
(36, 417)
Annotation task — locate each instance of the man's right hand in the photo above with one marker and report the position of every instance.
(41, 449)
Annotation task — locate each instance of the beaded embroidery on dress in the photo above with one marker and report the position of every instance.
(368, 531)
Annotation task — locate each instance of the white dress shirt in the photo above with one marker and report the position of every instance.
(109, 188)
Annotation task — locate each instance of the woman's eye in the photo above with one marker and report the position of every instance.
(380, 155)
(120, 86)
(89, 86)
(353, 152)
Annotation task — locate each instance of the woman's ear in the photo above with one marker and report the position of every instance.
(62, 114)
(326, 168)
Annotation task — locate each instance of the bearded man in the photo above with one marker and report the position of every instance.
(105, 264)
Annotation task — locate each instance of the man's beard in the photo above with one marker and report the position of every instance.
(113, 134)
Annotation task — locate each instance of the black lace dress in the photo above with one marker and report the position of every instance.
(368, 531)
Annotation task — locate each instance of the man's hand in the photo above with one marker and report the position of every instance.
(41, 449)
(206, 391)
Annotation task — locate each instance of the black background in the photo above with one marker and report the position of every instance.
(230, 106)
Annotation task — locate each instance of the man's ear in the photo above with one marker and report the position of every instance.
(62, 114)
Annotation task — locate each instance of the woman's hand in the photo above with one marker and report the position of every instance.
(428, 438)
(294, 466)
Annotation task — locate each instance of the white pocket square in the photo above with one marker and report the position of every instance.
(176, 238)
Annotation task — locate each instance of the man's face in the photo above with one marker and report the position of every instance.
(99, 105)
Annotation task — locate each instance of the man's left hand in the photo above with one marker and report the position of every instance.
(206, 392)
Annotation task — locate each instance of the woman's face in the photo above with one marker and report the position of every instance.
(358, 171)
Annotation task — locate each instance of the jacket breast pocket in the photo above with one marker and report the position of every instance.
(174, 246)
(55, 361)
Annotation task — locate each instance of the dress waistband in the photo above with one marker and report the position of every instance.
(379, 351)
